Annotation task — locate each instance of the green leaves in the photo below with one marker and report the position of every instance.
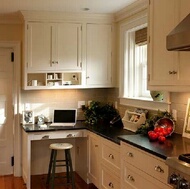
(97, 111)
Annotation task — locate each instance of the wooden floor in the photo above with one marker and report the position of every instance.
(39, 182)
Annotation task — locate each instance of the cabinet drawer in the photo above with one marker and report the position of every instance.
(155, 167)
(111, 155)
(134, 178)
(58, 134)
(109, 180)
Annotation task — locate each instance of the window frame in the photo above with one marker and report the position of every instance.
(134, 24)
(146, 103)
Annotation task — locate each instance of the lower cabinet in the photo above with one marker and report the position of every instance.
(94, 159)
(114, 166)
(103, 162)
(142, 169)
(109, 179)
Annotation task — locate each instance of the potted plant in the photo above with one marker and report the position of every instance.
(98, 112)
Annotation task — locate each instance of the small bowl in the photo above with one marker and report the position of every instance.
(165, 123)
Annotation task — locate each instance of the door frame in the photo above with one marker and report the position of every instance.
(15, 45)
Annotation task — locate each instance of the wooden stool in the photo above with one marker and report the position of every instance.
(53, 164)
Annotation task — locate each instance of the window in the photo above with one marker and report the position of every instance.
(134, 56)
(135, 63)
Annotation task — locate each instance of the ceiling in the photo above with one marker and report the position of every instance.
(76, 6)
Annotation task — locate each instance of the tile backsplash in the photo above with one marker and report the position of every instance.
(44, 101)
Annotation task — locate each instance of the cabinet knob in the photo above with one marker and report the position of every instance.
(172, 72)
(158, 169)
(131, 178)
(111, 185)
(87, 77)
(45, 137)
(130, 154)
(96, 145)
(111, 156)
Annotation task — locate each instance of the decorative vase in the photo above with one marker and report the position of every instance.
(157, 96)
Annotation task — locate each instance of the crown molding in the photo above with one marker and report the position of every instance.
(11, 18)
(131, 10)
(50, 16)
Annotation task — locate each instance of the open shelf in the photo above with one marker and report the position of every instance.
(53, 79)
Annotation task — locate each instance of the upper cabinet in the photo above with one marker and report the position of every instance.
(99, 55)
(167, 70)
(75, 50)
(53, 46)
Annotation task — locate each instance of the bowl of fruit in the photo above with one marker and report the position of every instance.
(163, 128)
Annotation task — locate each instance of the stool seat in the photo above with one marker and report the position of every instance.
(60, 146)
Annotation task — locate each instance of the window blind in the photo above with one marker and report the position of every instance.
(141, 36)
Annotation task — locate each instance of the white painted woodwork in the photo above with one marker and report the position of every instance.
(64, 43)
(139, 167)
(94, 159)
(34, 159)
(6, 111)
(54, 46)
(108, 178)
(99, 60)
(161, 63)
(160, 60)
(110, 164)
(133, 178)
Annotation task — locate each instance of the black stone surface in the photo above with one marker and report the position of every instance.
(173, 146)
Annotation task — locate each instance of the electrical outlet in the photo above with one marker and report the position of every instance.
(81, 103)
(174, 114)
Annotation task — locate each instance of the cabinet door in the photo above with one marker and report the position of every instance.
(99, 64)
(184, 56)
(161, 63)
(93, 159)
(39, 46)
(68, 50)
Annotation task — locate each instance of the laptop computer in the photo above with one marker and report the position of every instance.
(64, 117)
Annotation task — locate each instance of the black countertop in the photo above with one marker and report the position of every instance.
(106, 131)
(173, 146)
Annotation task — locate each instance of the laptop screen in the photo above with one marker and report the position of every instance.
(65, 116)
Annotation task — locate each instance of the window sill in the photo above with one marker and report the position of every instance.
(146, 103)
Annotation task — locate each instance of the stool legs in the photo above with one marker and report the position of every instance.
(51, 170)
(69, 165)
(52, 167)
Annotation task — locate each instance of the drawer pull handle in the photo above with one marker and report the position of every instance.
(111, 156)
(96, 145)
(131, 178)
(111, 185)
(158, 169)
(70, 135)
(45, 137)
(130, 154)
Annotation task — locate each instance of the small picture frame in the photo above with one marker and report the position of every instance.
(186, 127)
(28, 117)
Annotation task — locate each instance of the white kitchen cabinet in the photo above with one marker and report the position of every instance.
(62, 43)
(167, 70)
(99, 55)
(53, 46)
(110, 165)
(135, 172)
(94, 159)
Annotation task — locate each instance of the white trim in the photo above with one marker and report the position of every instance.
(146, 104)
(16, 101)
(131, 10)
(51, 16)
